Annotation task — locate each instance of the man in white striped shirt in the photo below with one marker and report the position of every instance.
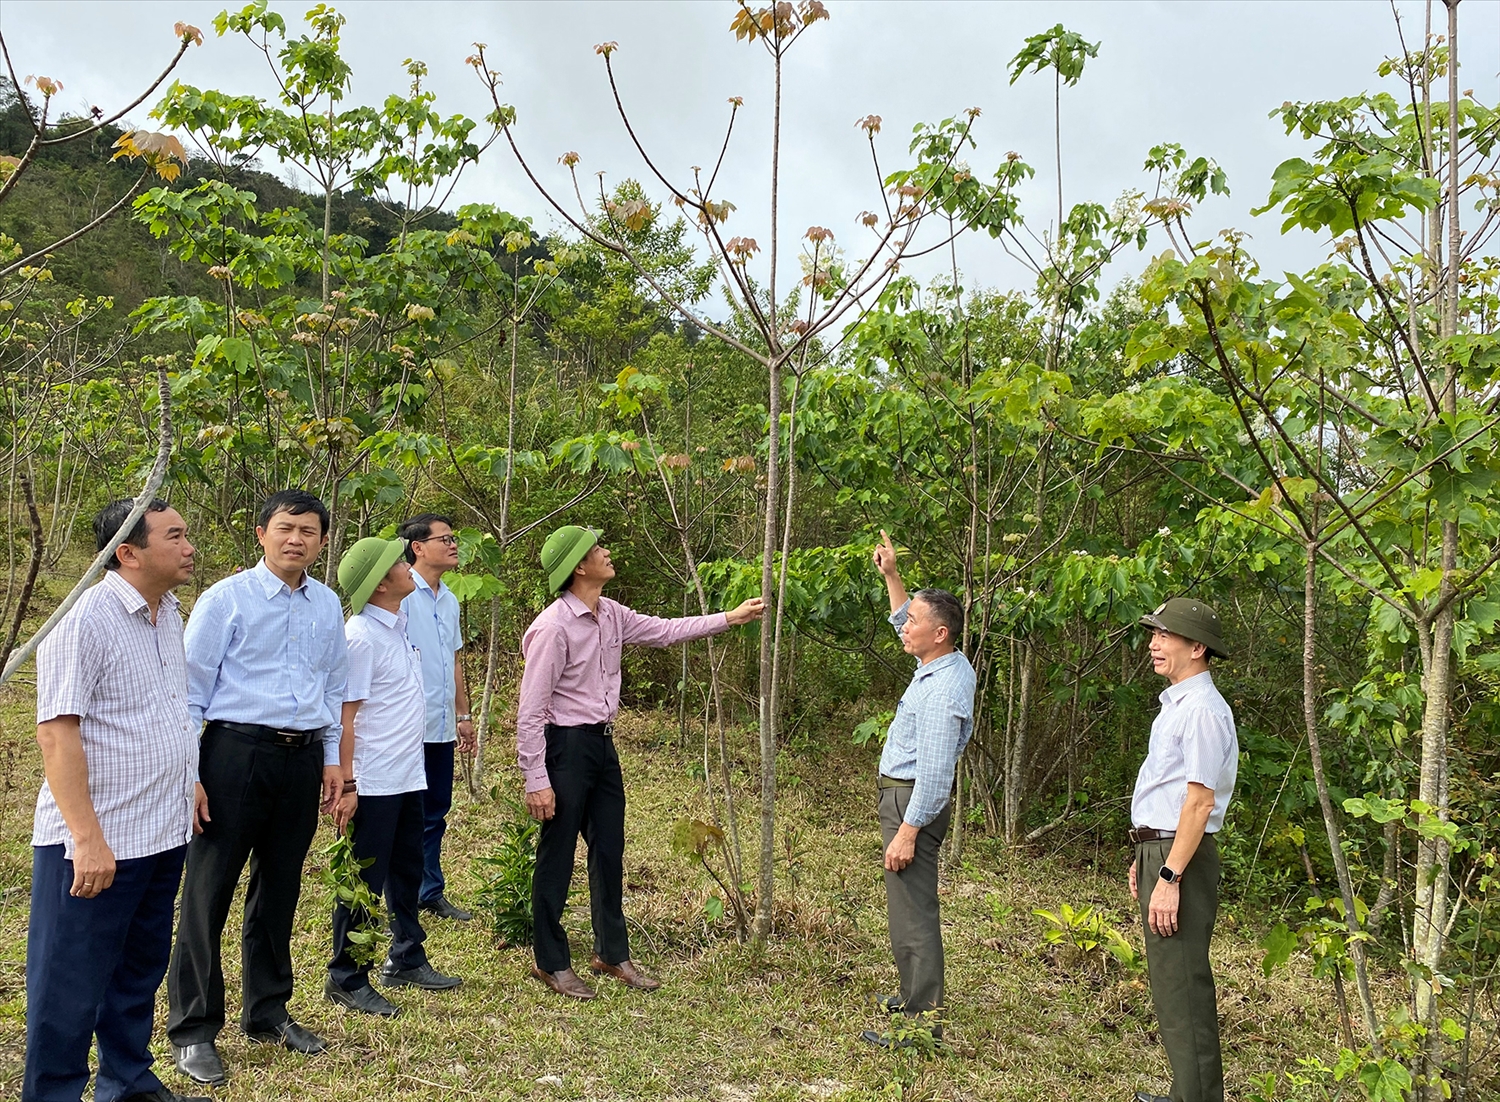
(113, 817)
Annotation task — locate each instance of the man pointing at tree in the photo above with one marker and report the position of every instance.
(570, 693)
(932, 726)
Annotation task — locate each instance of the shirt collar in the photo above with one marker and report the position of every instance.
(940, 663)
(1174, 694)
(421, 582)
(129, 595)
(273, 585)
(575, 606)
(381, 616)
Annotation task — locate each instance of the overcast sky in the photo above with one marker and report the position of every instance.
(1202, 74)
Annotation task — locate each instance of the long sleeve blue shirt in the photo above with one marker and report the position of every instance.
(932, 726)
(259, 651)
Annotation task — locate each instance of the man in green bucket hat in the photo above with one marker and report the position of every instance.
(1181, 795)
(570, 694)
(385, 778)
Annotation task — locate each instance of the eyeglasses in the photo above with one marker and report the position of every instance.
(446, 541)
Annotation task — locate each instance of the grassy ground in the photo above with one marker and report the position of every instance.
(730, 1024)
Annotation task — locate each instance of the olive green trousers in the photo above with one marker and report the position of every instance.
(1182, 985)
(911, 903)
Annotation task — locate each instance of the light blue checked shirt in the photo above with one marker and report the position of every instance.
(259, 651)
(932, 726)
(432, 627)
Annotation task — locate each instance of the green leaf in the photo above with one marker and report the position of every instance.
(1278, 944)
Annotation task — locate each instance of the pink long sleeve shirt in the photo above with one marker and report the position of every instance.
(572, 674)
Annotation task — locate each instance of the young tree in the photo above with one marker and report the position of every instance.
(766, 326)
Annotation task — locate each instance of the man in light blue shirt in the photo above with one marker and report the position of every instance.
(432, 626)
(266, 669)
(932, 726)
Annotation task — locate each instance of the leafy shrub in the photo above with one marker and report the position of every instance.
(505, 878)
(1084, 937)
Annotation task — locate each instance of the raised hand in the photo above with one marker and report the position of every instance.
(885, 556)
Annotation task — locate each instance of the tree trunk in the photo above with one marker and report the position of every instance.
(1015, 772)
(761, 929)
(154, 479)
(1430, 911)
(1325, 800)
(482, 726)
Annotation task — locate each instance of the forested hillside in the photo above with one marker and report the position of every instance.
(1313, 453)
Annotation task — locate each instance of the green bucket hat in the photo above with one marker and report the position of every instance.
(564, 550)
(364, 566)
(1191, 619)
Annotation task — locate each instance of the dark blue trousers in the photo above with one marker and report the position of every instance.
(436, 801)
(93, 967)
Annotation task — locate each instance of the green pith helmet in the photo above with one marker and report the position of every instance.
(1191, 619)
(364, 566)
(564, 550)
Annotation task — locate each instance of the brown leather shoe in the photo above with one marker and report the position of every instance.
(626, 972)
(565, 982)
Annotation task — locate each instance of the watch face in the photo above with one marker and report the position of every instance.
(1168, 875)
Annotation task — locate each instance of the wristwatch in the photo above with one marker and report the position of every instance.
(465, 718)
(1169, 876)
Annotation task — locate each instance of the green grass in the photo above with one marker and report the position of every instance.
(730, 1023)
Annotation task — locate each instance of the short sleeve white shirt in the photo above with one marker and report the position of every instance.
(126, 680)
(1193, 739)
(385, 674)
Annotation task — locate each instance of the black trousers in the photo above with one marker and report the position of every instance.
(263, 799)
(387, 833)
(585, 773)
(92, 968)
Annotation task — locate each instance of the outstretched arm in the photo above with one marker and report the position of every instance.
(885, 562)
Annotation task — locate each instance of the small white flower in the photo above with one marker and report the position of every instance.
(1164, 531)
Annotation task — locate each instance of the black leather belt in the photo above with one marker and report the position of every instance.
(894, 782)
(606, 730)
(1150, 834)
(270, 734)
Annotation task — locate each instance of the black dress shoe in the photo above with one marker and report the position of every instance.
(440, 906)
(423, 975)
(885, 1040)
(891, 1004)
(1146, 1096)
(364, 999)
(200, 1063)
(161, 1094)
(289, 1034)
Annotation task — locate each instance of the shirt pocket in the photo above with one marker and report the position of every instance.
(612, 643)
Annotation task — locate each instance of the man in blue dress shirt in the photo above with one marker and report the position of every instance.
(432, 626)
(933, 722)
(266, 666)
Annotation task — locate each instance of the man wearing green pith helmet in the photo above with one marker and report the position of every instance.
(570, 693)
(384, 775)
(1181, 796)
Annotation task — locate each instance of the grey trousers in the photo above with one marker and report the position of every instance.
(1182, 985)
(911, 903)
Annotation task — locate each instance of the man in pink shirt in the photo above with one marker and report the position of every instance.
(570, 693)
